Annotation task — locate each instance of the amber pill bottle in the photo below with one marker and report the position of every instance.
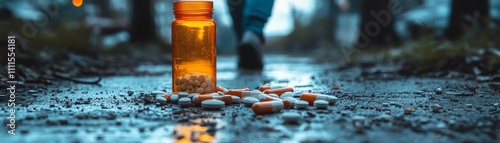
(193, 47)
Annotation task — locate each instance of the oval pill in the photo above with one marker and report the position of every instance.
(212, 104)
(249, 101)
(321, 104)
(290, 117)
(301, 104)
(235, 99)
(267, 107)
(185, 102)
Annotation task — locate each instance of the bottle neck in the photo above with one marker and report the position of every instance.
(193, 10)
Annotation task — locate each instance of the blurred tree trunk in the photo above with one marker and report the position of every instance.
(384, 33)
(478, 10)
(143, 26)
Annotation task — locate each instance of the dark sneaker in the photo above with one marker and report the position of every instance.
(249, 57)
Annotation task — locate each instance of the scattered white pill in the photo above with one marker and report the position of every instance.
(249, 101)
(212, 104)
(286, 94)
(301, 104)
(157, 93)
(162, 100)
(183, 94)
(174, 98)
(185, 101)
(290, 117)
(235, 100)
(321, 104)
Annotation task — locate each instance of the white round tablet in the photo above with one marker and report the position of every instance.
(249, 101)
(183, 94)
(321, 104)
(301, 104)
(286, 94)
(212, 104)
(161, 100)
(290, 117)
(174, 98)
(185, 101)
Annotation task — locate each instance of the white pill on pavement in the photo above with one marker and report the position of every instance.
(212, 104)
(161, 100)
(174, 98)
(301, 104)
(183, 94)
(249, 101)
(286, 94)
(157, 93)
(235, 100)
(185, 101)
(290, 117)
(321, 104)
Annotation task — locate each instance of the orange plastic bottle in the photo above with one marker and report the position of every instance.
(193, 47)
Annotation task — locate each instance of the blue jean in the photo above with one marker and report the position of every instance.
(250, 15)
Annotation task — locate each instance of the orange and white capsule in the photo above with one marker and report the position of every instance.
(279, 91)
(268, 86)
(311, 97)
(240, 92)
(221, 89)
(197, 99)
(267, 107)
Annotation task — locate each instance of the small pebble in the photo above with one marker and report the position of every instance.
(130, 93)
(290, 117)
(335, 86)
(438, 91)
(212, 104)
(332, 99)
(183, 94)
(385, 104)
(436, 108)
(301, 104)
(495, 104)
(321, 104)
(249, 101)
(409, 110)
(31, 91)
(468, 105)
